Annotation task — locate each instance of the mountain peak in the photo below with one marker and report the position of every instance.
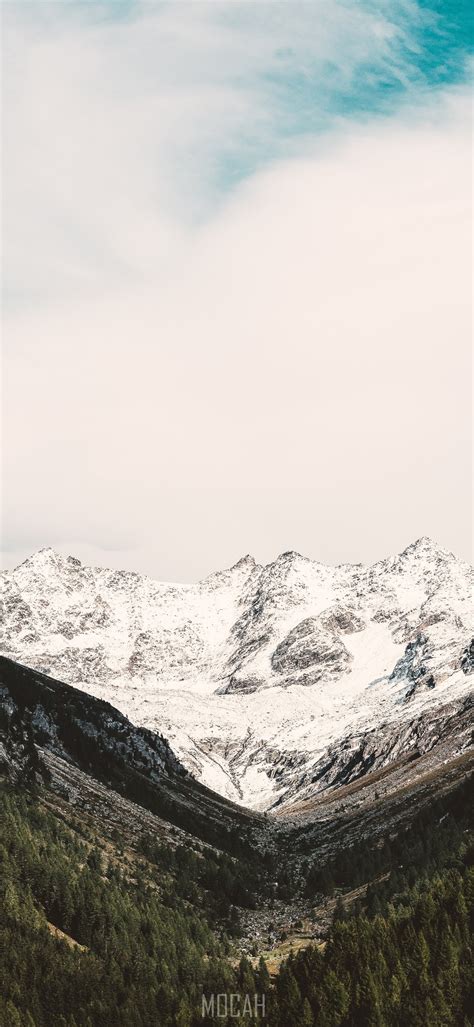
(245, 561)
(290, 556)
(425, 546)
(48, 560)
(244, 567)
(47, 556)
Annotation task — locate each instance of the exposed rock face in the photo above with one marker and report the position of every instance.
(467, 658)
(19, 760)
(354, 756)
(310, 645)
(17, 615)
(175, 651)
(341, 620)
(414, 666)
(62, 719)
(255, 672)
(76, 665)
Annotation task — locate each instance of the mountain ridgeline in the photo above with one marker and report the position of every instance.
(257, 674)
(72, 730)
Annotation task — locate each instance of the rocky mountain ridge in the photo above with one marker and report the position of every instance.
(257, 673)
(68, 739)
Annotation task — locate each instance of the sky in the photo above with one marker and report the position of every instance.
(236, 310)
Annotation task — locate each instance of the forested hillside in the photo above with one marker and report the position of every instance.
(144, 936)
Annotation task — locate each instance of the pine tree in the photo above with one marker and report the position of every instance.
(306, 1018)
(262, 977)
(289, 998)
(333, 1001)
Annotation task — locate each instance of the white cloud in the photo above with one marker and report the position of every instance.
(290, 371)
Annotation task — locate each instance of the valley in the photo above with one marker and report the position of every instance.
(125, 823)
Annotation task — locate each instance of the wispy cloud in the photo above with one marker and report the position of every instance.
(161, 109)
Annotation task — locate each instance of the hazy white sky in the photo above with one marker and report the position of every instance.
(237, 283)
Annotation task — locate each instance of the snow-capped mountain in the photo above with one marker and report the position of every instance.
(256, 673)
